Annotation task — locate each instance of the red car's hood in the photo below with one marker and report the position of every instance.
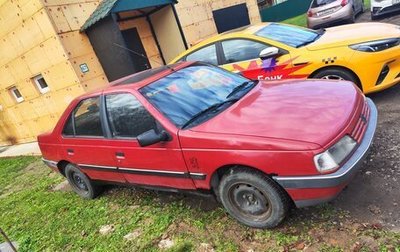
(312, 111)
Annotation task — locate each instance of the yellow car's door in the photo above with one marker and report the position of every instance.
(242, 55)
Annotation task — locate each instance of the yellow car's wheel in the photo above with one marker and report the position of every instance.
(335, 73)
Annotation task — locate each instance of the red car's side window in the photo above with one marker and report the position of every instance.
(69, 127)
(85, 119)
(127, 117)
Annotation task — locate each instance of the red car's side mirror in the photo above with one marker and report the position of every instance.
(151, 137)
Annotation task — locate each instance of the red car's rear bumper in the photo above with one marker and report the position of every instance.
(312, 190)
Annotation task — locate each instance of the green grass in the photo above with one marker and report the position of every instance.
(10, 167)
(41, 219)
(367, 4)
(301, 20)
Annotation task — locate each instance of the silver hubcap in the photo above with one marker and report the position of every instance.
(332, 77)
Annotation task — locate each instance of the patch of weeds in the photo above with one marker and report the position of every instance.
(263, 234)
(329, 248)
(39, 218)
(326, 211)
(226, 245)
(182, 245)
(10, 168)
(285, 239)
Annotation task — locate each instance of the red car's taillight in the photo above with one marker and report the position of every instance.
(344, 2)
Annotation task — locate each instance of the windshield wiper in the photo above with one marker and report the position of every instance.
(240, 87)
(207, 110)
(320, 32)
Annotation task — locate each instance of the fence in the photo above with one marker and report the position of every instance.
(285, 10)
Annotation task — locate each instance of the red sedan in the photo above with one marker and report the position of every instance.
(258, 146)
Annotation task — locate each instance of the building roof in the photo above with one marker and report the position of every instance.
(99, 13)
(114, 6)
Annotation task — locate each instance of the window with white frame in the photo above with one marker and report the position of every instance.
(41, 84)
(16, 94)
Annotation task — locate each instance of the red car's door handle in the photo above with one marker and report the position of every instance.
(120, 155)
(70, 152)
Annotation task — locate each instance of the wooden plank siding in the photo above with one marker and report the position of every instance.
(197, 20)
(41, 37)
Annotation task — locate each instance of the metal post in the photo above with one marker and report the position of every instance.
(179, 26)
(8, 240)
(155, 38)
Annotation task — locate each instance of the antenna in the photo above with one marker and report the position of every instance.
(141, 55)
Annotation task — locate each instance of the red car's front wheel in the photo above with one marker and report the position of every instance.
(253, 198)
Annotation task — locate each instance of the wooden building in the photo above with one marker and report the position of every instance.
(54, 50)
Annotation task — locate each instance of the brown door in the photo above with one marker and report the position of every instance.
(136, 49)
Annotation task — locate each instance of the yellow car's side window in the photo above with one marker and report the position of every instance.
(206, 54)
(236, 50)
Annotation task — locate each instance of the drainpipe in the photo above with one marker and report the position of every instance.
(179, 27)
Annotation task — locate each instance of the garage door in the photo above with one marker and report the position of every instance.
(231, 17)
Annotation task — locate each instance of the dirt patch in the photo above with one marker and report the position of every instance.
(63, 186)
(133, 235)
(106, 229)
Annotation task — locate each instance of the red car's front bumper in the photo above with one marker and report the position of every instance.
(312, 190)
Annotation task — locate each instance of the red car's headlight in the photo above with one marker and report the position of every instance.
(331, 159)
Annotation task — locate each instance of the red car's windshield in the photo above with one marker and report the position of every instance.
(196, 93)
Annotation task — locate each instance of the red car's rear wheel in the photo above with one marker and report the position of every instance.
(80, 183)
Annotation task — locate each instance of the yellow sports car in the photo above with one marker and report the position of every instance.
(367, 54)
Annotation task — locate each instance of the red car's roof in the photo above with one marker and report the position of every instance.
(140, 79)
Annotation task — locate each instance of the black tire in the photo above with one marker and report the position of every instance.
(253, 198)
(80, 183)
(335, 73)
(352, 19)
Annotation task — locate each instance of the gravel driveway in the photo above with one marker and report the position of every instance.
(374, 194)
(366, 17)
